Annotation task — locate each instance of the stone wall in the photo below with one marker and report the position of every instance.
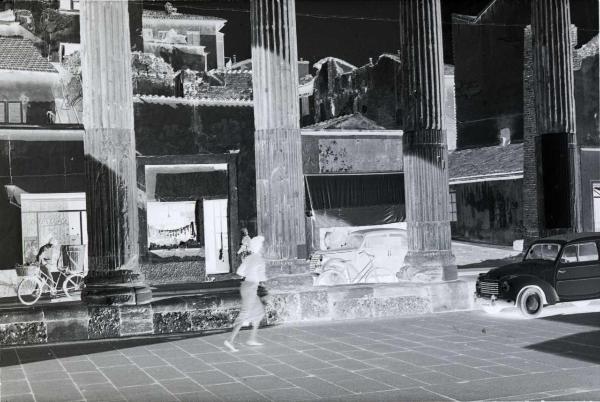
(201, 313)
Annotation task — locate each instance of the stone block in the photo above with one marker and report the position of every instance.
(30, 314)
(398, 306)
(231, 299)
(166, 323)
(137, 320)
(173, 272)
(66, 312)
(104, 322)
(209, 319)
(170, 304)
(314, 305)
(23, 333)
(67, 330)
(282, 307)
(452, 296)
(349, 308)
(290, 281)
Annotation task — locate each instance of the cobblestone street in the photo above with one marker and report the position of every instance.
(460, 356)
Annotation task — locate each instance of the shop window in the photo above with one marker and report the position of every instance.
(193, 38)
(75, 4)
(15, 113)
(452, 212)
(2, 112)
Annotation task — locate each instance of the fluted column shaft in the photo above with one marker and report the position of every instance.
(109, 147)
(279, 178)
(556, 149)
(424, 144)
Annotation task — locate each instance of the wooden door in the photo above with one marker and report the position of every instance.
(216, 237)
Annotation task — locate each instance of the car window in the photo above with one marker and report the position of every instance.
(376, 241)
(588, 252)
(580, 253)
(569, 254)
(543, 251)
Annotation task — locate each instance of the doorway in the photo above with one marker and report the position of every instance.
(216, 237)
(596, 206)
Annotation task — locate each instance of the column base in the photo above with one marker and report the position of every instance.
(428, 266)
(120, 287)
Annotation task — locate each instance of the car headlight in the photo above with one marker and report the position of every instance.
(504, 286)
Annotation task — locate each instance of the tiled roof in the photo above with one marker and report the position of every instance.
(163, 15)
(20, 55)
(479, 164)
(355, 121)
(199, 101)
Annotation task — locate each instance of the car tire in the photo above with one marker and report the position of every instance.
(531, 301)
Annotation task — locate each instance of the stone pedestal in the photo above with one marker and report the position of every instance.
(557, 155)
(429, 256)
(278, 152)
(109, 147)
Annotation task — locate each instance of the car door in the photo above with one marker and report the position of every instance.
(578, 272)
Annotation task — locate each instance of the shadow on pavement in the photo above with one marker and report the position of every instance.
(11, 356)
(583, 346)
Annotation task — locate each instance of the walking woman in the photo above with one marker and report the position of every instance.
(253, 311)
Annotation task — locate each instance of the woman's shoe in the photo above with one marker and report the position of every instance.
(230, 346)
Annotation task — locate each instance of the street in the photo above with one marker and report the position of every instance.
(450, 356)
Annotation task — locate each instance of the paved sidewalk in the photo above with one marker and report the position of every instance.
(461, 356)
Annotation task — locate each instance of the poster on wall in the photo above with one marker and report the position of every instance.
(172, 230)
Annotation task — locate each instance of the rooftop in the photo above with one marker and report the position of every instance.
(486, 163)
(162, 15)
(19, 54)
(355, 121)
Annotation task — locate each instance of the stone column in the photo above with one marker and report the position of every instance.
(557, 155)
(109, 147)
(278, 153)
(429, 256)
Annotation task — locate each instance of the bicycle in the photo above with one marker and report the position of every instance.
(31, 287)
(340, 272)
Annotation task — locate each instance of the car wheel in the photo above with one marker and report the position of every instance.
(530, 302)
(331, 278)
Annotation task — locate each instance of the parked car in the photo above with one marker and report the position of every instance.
(366, 256)
(554, 269)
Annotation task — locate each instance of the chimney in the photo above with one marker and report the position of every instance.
(303, 68)
(505, 136)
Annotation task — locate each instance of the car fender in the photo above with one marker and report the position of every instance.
(517, 283)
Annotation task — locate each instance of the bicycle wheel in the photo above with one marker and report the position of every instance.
(73, 283)
(30, 290)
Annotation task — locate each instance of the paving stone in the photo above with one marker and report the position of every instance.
(290, 394)
(218, 357)
(196, 396)
(123, 376)
(262, 382)
(188, 364)
(320, 387)
(350, 364)
(392, 379)
(54, 391)
(17, 398)
(147, 393)
(303, 362)
(89, 378)
(144, 361)
(363, 385)
(182, 385)
(240, 369)
(462, 372)
(109, 360)
(11, 373)
(418, 359)
(164, 373)
(17, 387)
(101, 393)
(79, 366)
(284, 370)
(433, 377)
(211, 377)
